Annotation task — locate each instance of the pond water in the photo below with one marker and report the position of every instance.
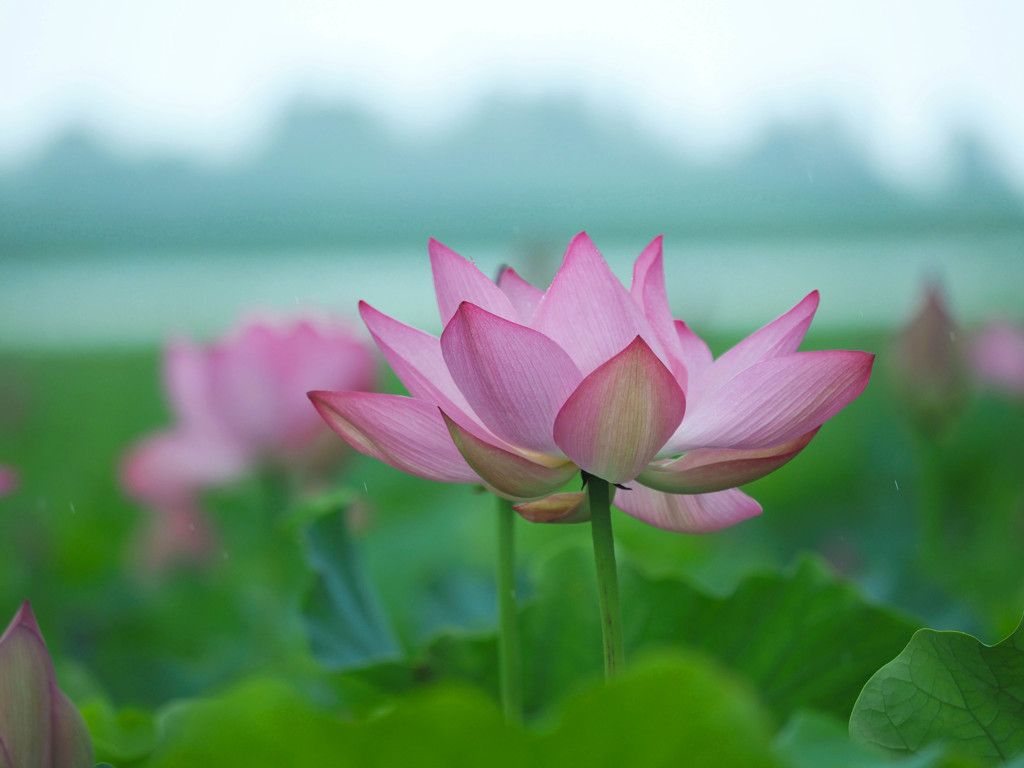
(118, 298)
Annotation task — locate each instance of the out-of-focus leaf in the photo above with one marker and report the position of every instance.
(813, 740)
(123, 737)
(343, 619)
(457, 600)
(448, 726)
(670, 710)
(804, 639)
(674, 710)
(259, 723)
(947, 687)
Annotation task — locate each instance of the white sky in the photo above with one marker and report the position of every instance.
(205, 76)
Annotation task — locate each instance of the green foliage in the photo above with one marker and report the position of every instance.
(123, 737)
(670, 711)
(666, 711)
(813, 740)
(343, 619)
(947, 687)
(802, 639)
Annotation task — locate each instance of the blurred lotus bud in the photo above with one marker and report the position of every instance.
(240, 405)
(39, 726)
(8, 481)
(928, 366)
(996, 356)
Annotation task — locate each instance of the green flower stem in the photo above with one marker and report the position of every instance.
(607, 576)
(509, 663)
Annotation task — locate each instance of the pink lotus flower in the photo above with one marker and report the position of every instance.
(525, 388)
(39, 726)
(996, 356)
(239, 404)
(8, 480)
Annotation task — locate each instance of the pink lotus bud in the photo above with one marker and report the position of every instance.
(8, 480)
(928, 368)
(997, 357)
(39, 726)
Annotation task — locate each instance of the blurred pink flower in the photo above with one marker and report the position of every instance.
(239, 404)
(8, 480)
(996, 356)
(39, 726)
(928, 367)
(525, 388)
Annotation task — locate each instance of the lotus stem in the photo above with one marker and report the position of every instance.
(607, 576)
(509, 661)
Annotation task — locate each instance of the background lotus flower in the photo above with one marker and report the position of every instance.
(928, 365)
(39, 726)
(526, 388)
(239, 404)
(8, 480)
(996, 356)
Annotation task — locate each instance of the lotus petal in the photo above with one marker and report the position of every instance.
(510, 474)
(589, 312)
(417, 360)
(72, 744)
(457, 280)
(774, 401)
(716, 469)
(515, 378)
(559, 508)
(781, 336)
(26, 676)
(702, 513)
(620, 416)
(407, 434)
(524, 297)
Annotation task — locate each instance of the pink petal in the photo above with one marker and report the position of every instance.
(620, 415)
(696, 356)
(713, 469)
(259, 377)
(8, 480)
(72, 744)
(996, 355)
(648, 290)
(515, 378)
(321, 356)
(169, 465)
(588, 311)
(509, 474)
(187, 382)
(702, 513)
(457, 280)
(781, 336)
(560, 508)
(417, 360)
(524, 297)
(405, 433)
(26, 682)
(774, 401)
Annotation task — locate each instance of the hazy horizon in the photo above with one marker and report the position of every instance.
(209, 81)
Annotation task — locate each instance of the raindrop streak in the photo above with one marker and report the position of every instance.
(897, 484)
(72, 508)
